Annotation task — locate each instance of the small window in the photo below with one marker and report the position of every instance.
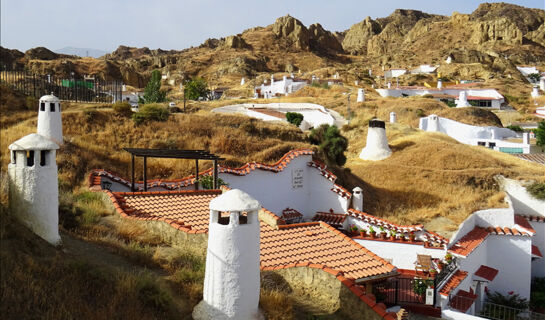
(481, 143)
(491, 144)
(30, 158)
(42, 106)
(14, 157)
(52, 106)
(224, 218)
(43, 157)
(243, 218)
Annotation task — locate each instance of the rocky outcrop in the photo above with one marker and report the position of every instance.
(496, 30)
(241, 65)
(41, 53)
(537, 36)
(124, 52)
(525, 19)
(11, 58)
(235, 42)
(293, 31)
(322, 40)
(356, 38)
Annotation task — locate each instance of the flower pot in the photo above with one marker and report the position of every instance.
(373, 234)
(362, 234)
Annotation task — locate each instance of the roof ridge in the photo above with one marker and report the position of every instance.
(169, 192)
(298, 225)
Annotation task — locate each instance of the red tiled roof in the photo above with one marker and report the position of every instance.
(462, 301)
(453, 282)
(433, 237)
(469, 242)
(184, 210)
(507, 231)
(523, 223)
(536, 252)
(486, 272)
(533, 218)
(334, 219)
(320, 245)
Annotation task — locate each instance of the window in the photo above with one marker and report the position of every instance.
(52, 106)
(243, 218)
(14, 157)
(42, 106)
(224, 218)
(30, 158)
(481, 143)
(491, 145)
(43, 157)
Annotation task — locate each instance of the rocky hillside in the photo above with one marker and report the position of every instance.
(486, 44)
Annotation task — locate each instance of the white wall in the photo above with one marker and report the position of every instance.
(511, 255)
(523, 202)
(275, 192)
(403, 255)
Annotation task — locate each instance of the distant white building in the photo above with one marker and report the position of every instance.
(491, 137)
(426, 68)
(488, 98)
(394, 73)
(526, 71)
(279, 87)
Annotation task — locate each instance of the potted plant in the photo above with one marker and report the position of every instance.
(448, 258)
(353, 230)
(382, 233)
(392, 235)
(433, 272)
(412, 236)
(372, 232)
(362, 233)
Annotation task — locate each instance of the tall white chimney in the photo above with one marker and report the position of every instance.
(439, 84)
(357, 199)
(462, 100)
(535, 92)
(377, 144)
(361, 95)
(393, 117)
(542, 83)
(526, 137)
(242, 81)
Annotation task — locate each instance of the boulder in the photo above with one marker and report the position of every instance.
(293, 31)
(356, 38)
(323, 40)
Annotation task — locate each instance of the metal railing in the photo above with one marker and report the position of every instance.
(445, 273)
(501, 312)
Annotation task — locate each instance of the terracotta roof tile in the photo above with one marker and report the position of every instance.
(453, 282)
(535, 157)
(334, 219)
(462, 301)
(469, 242)
(317, 244)
(536, 252)
(486, 272)
(507, 231)
(523, 223)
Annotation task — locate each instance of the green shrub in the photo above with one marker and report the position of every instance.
(515, 128)
(153, 92)
(420, 113)
(294, 118)
(512, 300)
(122, 108)
(207, 182)
(537, 189)
(331, 143)
(540, 134)
(151, 112)
(317, 84)
(427, 96)
(196, 88)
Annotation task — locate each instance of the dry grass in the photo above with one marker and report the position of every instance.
(430, 175)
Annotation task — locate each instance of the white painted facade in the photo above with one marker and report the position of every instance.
(535, 92)
(491, 137)
(284, 87)
(33, 185)
(393, 117)
(492, 95)
(49, 118)
(277, 190)
(376, 147)
(526, 71)
(542, 84)
(314, 115)
(232, 282)
(401, 255)
(394, 73)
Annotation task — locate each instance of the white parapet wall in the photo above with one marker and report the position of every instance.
(492, 95)
(314, 115)
(492, 137)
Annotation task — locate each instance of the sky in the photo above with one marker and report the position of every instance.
(179, 24)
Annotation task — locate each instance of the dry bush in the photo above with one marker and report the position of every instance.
(276, 305)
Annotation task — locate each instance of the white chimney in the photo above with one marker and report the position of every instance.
(231, 281)
(370, 73)
(377, 144)
(535, 92)
(542, 83)
(33, 185)
(357, 199)
(361, 95)
(433, 123)
(356, 82)
(49, 118)
(462, 100)
(393, 117)
(389, 85)
(439, 84)
(526, 138)
(242, 81)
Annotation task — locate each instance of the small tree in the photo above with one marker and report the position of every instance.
(534, 77)
(331, 143)
(207, 182)
(540, 134)
(153, 92)
(294, 118)
(196, 88)
(151, 112)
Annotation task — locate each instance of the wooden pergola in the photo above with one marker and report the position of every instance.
(173, 154)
